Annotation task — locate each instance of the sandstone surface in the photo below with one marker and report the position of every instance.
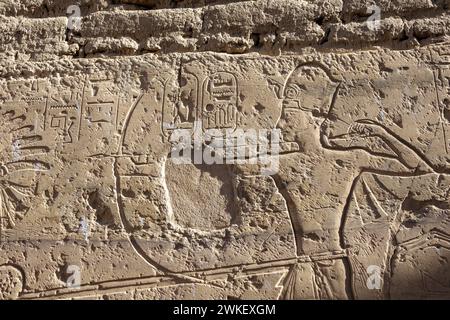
(220, 149)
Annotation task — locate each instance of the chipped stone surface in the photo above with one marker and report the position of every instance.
(94, 203)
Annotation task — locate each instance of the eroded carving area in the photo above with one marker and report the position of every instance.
(181, 150)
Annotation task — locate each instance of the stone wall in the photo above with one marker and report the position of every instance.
(220, 149)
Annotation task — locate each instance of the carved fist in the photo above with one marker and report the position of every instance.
(364, 129)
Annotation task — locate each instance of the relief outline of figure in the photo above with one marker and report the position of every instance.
(328, 172)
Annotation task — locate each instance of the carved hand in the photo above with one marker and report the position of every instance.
(366, 129)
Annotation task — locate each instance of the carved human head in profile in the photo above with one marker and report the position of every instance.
(309, 88)
(307, 94)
